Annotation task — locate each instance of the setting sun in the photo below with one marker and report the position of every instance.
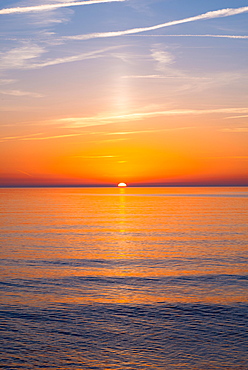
(122, 185)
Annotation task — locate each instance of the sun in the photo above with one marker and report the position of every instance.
(122, 185)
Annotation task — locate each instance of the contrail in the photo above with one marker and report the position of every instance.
(73, 58)
(39, 8)
(214, 36)
(209, 15)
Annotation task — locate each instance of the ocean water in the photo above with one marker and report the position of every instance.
(135, 278)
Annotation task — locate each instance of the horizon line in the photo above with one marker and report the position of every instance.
(132, 185)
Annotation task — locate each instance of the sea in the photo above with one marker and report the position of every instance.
(124, 278)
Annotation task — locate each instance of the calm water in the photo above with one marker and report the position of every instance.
(135, 278)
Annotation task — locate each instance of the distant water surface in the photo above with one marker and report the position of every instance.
(134, 278)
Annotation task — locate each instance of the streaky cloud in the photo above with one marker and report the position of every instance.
(93, 156)
(235, 129)
(19, 93)
(209, 15)
(25, 173)
(22, 58)
(106, 119)
(234, 117)
(150, 131)
(44, 7)
(7, 138)
(36, 137)
(73, 58)
(6, 81)
(213, 36)
(50, 137)
(230, 157)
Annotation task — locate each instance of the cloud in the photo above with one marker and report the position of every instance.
(109, 140)
(143, 76)
(41, 8)
(209, 15)
(148, 131)
(5, 81)
(235, 129)
(22, 57)
(165, 76)
(234, 117)
(164, 64)
(25, 173)
(200, 83)
(50, 137)
(179, 75)
(184, 81)
(35, 137)
(231, 157)
(214, 36)
(82, 122)
(19, 57)
(93, 156)
(162, 57)
(7, 138)
(106, 119)
(73, 58)
(20, 93)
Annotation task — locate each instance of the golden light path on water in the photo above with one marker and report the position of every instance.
(127, 233)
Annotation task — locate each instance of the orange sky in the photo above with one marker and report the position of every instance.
(156, 106)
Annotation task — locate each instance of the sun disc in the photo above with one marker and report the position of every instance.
(122, 185)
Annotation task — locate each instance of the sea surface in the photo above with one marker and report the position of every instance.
(134, 278)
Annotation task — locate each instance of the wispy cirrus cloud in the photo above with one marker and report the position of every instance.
(162, 57)
(19, 137)
(20, 57)
(99, 120)
(244, 37)
(183, 80)
(93, 156)
(150, 131)
(45, 7)
(235, 117)
(166, 76)
(19, 93)
(50, 137)
(73, 58)
(6, 81)
(36, 137)
(24, 57)
(25, 173)
(231, 157)
(209, 15)
(106, 119)
(235, 129)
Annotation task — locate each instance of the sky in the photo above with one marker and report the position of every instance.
(146, 92)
